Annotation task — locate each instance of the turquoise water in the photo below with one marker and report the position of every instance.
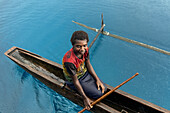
(45, 27)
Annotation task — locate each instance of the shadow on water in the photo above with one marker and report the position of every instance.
(23, 74)
(35, 83)
(63, 105)
(96, 46)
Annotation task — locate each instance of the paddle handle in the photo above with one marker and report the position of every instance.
(108, 93)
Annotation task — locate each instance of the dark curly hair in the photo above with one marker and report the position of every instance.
(79, 35)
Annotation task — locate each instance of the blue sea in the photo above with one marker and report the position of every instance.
(45, 27)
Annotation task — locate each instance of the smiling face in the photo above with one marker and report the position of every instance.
(80, 47)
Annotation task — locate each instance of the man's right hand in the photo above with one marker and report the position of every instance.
(87, 102)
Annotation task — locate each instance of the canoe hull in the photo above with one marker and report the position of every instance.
(51, 74)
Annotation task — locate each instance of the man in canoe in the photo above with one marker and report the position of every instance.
(79, 72)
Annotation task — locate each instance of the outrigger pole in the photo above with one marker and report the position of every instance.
(102, 22)
(96, 36)
(126, 39)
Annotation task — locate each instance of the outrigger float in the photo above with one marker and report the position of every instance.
(51, 74)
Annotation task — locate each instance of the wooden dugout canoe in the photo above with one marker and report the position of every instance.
(51, 74)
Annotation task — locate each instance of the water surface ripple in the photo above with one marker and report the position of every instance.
(45, 27)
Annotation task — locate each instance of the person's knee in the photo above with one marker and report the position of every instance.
(97, 94)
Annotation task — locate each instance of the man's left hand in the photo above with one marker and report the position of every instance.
(100, 85)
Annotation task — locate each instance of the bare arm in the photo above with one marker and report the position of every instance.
(91, 70)
(93, 73)
(78, 86)
(80, 90)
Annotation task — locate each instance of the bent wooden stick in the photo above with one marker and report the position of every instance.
(108, 93)
(96, 36)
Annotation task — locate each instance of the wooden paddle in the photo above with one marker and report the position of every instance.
(108, 93)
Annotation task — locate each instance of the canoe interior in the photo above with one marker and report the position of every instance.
(118, 100)
(38, 63)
